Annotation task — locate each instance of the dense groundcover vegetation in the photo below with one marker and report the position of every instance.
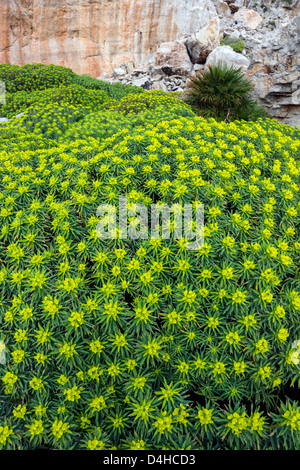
(143, 344)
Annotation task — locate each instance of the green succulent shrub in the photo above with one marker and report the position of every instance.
(142, 343)
(236, 44)
(74, 95)
(32, 77)
(223, 93)
(38, 83)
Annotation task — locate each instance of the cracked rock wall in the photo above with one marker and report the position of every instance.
(94, 36)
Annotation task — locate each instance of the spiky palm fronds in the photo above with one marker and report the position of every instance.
(225, 93)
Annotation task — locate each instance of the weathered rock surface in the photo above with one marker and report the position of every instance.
(172, 58)
(249, 18)
(125, 40)
(233, 7)
(95, 36)
(205, 41)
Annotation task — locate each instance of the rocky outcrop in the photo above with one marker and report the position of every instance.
(226, 55)
(275, 66)
(158, 44)
(173, 59)
(95, 36)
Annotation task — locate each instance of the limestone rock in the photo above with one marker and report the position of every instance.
(149, 60)
(210, 35)
(275, 71)
(103, 77)
(98, 36)
(293, 31)
(198, 67)
(119, 71)
(198, 52)
(226, 55)
(235, 34)
(160, 86)
(249, 18)
(223, 8)
(143, 82)
(3, 119)
(172, 58)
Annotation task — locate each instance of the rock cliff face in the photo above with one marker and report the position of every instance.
(94, 36)
(270, 34)
(158, 44)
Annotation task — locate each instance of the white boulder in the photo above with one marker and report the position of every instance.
(226, 55)
(172, 58)
(248, 18)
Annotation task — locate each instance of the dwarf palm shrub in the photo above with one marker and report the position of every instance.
(224, 93)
